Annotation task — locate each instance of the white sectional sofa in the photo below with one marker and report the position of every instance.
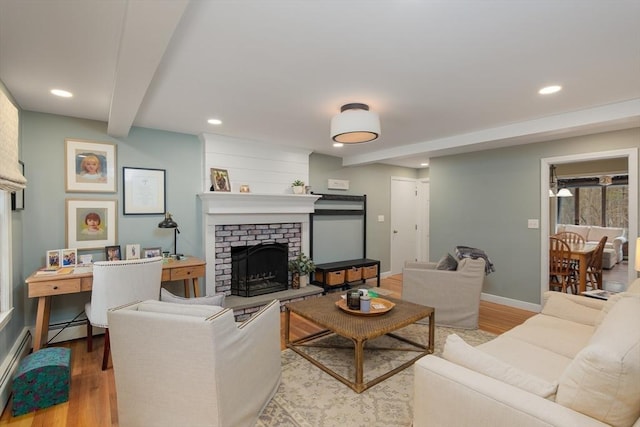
(577, 363)
(616, 238)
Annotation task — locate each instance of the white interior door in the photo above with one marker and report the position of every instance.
(423, 220)
(404, 212)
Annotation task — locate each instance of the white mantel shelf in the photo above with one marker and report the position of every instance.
(221, 203)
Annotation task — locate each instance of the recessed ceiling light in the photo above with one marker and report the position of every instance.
(424, 164)
(550, 89)
(214, 121)
(338, 144)
(61, 93)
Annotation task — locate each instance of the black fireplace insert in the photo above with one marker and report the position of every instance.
(260, 269)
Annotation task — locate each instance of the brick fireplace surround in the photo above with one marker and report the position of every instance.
(241, 219)
(228, 236)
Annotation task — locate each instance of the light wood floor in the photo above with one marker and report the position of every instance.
(92, 398)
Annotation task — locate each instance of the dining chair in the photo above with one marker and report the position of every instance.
(570, 237)
(594, 268)
(560, 271)
(116, 283)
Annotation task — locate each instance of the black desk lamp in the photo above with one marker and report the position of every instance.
(168, 222)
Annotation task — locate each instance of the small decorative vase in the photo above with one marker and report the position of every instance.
(298, 189)
(304, 280)
(295, 280)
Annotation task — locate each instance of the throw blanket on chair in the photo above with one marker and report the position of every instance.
(468, 252)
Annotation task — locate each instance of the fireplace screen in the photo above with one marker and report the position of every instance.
(259, 269)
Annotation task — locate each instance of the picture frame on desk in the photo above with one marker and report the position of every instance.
(91, 224)
(112, 253)
(53, 259)
(151, 252)
(90, 166)
(69, 257)
(133, 251)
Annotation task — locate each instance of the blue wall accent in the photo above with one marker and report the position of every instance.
(43, 151)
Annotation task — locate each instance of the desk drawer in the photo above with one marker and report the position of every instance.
(54, 287)
(187, 272)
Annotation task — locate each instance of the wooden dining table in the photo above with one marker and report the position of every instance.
(582, 253)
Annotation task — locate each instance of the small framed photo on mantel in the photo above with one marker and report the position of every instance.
(220, 180)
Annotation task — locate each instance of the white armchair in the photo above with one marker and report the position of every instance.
(455, 295)
(193, 365)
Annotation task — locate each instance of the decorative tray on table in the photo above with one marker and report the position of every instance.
(378, 306)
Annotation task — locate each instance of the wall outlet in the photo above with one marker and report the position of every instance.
(533, 223)
(380, 218)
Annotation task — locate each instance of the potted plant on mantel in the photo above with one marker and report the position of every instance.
(298, 186)
(300, 267)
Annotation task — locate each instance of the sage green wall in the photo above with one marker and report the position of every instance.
(11, 331)
(374, 181)
(43, 146)
(484, 199)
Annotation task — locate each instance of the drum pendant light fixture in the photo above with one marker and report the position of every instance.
(355, 124)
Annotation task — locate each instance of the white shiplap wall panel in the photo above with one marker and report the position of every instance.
(265, 168)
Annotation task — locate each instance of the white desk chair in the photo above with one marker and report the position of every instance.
(117, 283)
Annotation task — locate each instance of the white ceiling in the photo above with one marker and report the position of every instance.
(445, 76)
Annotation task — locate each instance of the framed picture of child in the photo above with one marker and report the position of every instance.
(91, 224)
(90, 167)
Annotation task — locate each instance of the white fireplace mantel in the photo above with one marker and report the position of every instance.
(253, 203)
(226, 208)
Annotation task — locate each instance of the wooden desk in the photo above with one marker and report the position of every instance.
(582, 253)
(46, 286)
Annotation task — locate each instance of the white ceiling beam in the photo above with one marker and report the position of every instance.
(621, 115)
(147, 31)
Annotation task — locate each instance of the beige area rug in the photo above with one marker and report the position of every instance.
(309, 397)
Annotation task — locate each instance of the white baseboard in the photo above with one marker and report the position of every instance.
(10, 365)
(523, 305)
(69, 333)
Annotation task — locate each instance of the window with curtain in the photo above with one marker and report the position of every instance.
(11, 179)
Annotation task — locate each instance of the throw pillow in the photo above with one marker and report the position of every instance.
(456, 350)
(217, 299)
(447, 262)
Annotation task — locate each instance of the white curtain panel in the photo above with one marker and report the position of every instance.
(11, 178)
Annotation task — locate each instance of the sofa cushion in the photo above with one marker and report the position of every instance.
(447, 262)
(603, 380)
(562, 306)
(459, 352)
(596, 233)
(527, 357)
(561, 336)
(217, 299)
